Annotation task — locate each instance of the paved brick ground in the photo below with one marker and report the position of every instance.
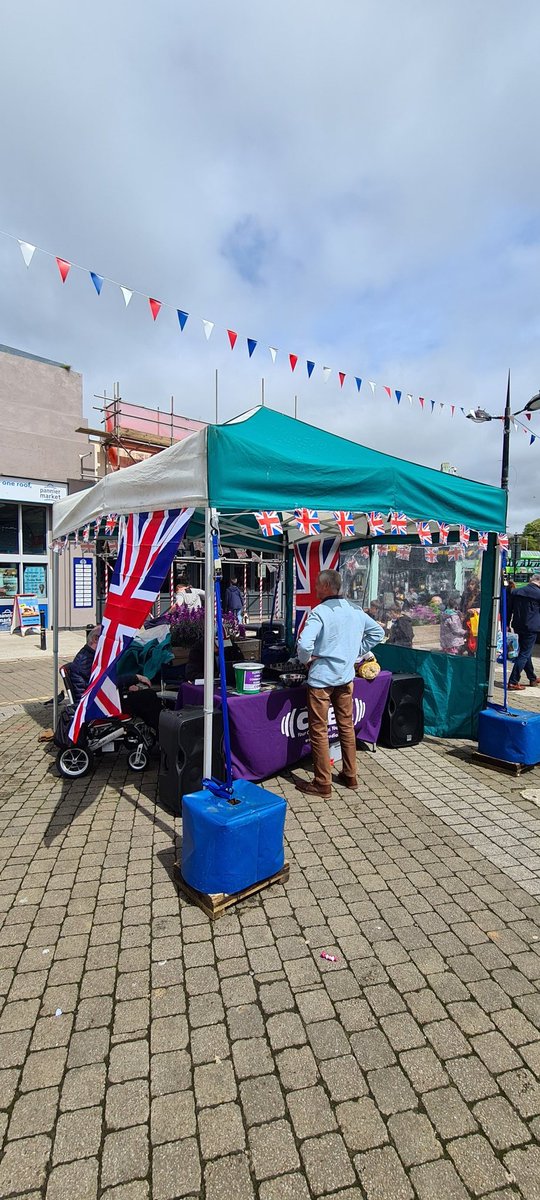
(146, 1053)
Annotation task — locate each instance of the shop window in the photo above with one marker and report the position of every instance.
(9, 528)
(34, 525)
(8, 580)
(420, 604)
(35, 580)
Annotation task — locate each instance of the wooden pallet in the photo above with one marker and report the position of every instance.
(499, 764)
(217, 903)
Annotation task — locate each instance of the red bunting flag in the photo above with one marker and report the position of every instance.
(232, 336)
(421, 399)
(452, 409)
(64, 267)
(293, 359)
(155, 306)
(341, 378)
(388, 392)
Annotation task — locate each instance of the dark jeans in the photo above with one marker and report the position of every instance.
(524, 661)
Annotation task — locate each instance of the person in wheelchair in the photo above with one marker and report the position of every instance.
(138, 698)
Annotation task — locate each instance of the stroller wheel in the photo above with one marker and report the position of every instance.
(138, 759)
(74, 762)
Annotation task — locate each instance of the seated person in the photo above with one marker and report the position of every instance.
(138, 698)
(452, 632)
(401, 632)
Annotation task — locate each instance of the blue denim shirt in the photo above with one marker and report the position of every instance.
(335, 634)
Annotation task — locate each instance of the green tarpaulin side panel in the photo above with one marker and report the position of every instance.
(270, 461)
(455, 687)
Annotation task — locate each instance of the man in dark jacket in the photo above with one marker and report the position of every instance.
(234, 601)
(525, 616)
(81, 667)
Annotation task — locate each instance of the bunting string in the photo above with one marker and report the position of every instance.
(183, 316)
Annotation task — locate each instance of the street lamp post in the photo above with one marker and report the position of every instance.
(479, 416)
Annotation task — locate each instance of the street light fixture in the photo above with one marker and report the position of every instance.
(479, 416)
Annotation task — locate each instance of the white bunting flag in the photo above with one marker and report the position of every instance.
(273, 353)
(372, 385)
(27, 251)
(126, 294)
(326, 371)
(208, 327)
(409, 397)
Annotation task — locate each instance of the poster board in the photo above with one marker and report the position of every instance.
(83, 582)
(25, 614)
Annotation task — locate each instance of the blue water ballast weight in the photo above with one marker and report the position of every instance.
(227, 847)
(512, 736)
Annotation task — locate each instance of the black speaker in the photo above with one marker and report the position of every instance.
(181, 738)
(271, 632)
(403, 718)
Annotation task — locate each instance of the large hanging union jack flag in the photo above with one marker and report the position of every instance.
(309, 559)
(148, 543)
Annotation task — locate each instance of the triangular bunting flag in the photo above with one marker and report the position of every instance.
(126, 294)
(251, 343)
(398, 396)
(422, 401)
(327, 371)
(432, 402)
(27, 251)
(232, 336)
(155, 306)
(532, 439)
(208, 327)
(97, 281)
(310, 368)
(182, 318)
(273, 353)
(293, 359)
(452, 409)
(388, 392)
(358, 383)
(372, 385)
(528, 416)
(409, 397)
(64, 267)
(341, 378)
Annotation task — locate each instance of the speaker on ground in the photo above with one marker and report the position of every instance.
(181, 738)
(403, 718)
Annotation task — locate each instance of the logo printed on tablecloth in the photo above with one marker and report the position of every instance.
(294, 724)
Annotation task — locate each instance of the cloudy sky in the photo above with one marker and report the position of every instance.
(353, 182)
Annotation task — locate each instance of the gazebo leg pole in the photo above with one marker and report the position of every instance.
(208, 709)
(494, 624)
(55, 607)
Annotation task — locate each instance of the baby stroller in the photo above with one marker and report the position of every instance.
(96, 737)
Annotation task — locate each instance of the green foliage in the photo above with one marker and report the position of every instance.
(530, 537)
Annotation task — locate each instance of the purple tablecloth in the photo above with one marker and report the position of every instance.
(269, 730)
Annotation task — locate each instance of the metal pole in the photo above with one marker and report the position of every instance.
(217, 395)
(262, 392)
(209, 635)
(55, 580)
(295, 407)
(506, 439)
(494, 624)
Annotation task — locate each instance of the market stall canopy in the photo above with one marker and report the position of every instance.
(264, 460)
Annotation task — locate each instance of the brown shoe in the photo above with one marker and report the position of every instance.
(345, 781)
(516, 687)
(534, 682)
(311, 789)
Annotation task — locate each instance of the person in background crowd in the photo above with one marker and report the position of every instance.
(234, 600)
(525, 615)
(401, 632)
(471, 595)
(192, 597)
(452, 632)
(333, 636)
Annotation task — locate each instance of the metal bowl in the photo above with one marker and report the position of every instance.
(292, 680)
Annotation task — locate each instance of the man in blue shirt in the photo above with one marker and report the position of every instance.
(334, 635)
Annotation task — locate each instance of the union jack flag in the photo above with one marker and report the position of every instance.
(110, 524)
(364, 551)
(148, 544)
(456, 552)
(86, 533)
(424, 533)
(307, 520)
(310, 558)
(464, 534)
(398, 523)
(444, 530)
(482, 541)
(383, 551)
(269, 523)
(345, 523)
(403, 552)
(502, 541)
(376, 523)
(431, 554)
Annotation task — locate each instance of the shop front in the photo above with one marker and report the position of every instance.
(25, 525)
